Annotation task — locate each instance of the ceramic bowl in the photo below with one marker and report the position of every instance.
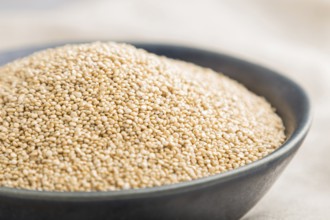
(227, 195)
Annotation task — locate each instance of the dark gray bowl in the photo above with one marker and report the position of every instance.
(224, 196)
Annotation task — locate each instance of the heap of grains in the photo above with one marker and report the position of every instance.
(108, 116)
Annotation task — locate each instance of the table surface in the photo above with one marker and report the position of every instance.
(292, 37)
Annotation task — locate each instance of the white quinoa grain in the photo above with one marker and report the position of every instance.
(108, 116)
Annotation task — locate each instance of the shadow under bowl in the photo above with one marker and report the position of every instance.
(227, 195)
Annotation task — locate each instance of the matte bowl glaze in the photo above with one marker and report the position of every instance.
(227, 195)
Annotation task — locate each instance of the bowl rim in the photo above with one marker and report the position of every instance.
(80, 196)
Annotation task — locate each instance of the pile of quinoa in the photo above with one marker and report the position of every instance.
(108, 116)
